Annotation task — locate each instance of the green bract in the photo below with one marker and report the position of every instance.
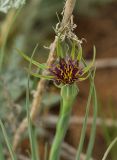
(66, 70)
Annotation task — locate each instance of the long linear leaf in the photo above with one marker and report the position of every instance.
(84, 78)
(59, 49)
(109, 148)
(79, 150)
(7, 141)
(40, 76)
(79, 57)
(93, 130)
(31, 131)
(87, 112)
(86, 69)
(42, 66)
(73, 50)
(95, 106)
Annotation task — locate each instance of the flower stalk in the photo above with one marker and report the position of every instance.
(65, 72)
(68, 94)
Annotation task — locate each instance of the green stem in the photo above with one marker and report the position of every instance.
(93, 129)
(84, 127)
(63, 122)
(109, 148)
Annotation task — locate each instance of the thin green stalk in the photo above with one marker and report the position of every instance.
(93, 130)
(12, 154)
(84, 123)
(31, 128)
(109, 148)
(61, 130)
(68, 94)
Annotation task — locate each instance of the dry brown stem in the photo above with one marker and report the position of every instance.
(69, 6)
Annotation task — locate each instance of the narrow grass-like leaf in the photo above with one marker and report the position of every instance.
(93, 130)
(73, 50)
(1, 152)
(109, 148)
(59, 49)
(34, 143)
(41, 66)
(31, 131)
(79, 57)
(84, 78)
(87, 112)
(12, 154)
(85, 121)
(86, 69)
(40, 76)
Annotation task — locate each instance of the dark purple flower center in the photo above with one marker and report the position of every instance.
(66, 71)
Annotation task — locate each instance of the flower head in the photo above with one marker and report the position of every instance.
(66, 70)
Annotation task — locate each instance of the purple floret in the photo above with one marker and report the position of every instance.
(66, 71)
